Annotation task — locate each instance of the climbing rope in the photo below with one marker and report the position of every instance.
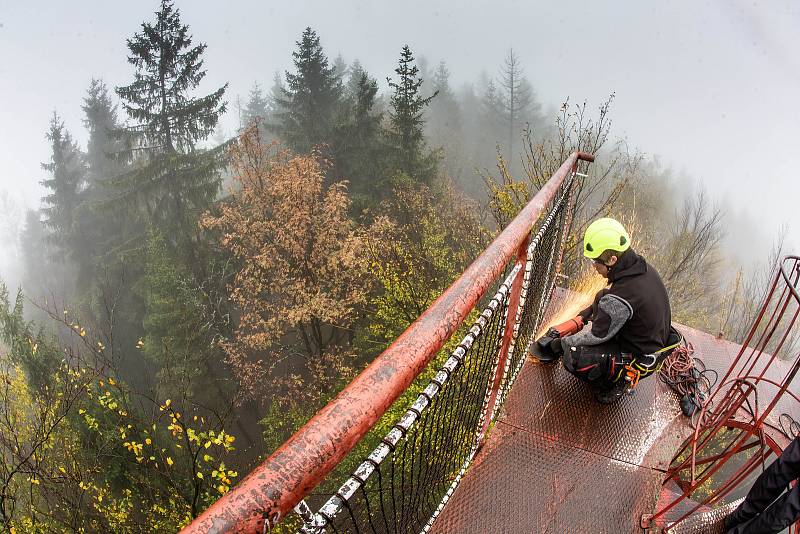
(689, 378)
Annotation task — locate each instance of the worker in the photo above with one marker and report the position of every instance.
(767, 509)
(630, 333)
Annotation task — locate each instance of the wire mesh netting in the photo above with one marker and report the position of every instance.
(407, 479)
(541, 268)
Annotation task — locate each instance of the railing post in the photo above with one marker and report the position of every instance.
(508, 334)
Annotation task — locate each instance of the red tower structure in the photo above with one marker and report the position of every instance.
(747, 420)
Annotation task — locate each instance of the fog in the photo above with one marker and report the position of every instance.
(163, 319)
(710, 87)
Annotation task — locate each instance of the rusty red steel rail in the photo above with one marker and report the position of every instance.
(266, 495)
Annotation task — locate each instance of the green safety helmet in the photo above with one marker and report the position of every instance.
(605, 234)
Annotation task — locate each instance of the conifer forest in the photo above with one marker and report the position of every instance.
(191, 294)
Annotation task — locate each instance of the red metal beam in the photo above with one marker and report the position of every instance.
(273, 488)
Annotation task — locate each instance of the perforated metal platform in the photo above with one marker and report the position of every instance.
(557, 461)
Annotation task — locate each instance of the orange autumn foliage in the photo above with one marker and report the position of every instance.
(301, 275)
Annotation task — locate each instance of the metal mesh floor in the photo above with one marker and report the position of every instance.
(557, 461)
(550, 402)
(525, 483)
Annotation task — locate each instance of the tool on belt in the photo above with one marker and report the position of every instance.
(633, 368)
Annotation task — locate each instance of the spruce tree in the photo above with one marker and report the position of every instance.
(275, 109)
(37, 271)
(98, 231)
(180, 337)
(407, 121)
(64, 186)
(424, 74)
(172, 179)
(515, 103)
(444, 110)
(340, 67)
(359, 147)
(256, 108)
(355, 72)
(310, 102)
(100, 120)
(493, 132)
(489, 101)
(365, 120)
(445, 128)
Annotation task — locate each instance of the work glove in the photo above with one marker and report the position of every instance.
(556, 347)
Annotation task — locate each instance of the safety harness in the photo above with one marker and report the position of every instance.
(635, 367)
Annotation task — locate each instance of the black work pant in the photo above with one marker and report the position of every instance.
(765, 510)
(596, 365)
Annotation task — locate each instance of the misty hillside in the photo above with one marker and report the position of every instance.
(210, 264)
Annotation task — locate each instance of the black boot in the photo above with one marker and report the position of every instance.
(736, 518)
(609, 396)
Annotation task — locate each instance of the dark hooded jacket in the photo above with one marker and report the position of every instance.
(634, 310)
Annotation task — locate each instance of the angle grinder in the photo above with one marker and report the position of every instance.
(548, 347)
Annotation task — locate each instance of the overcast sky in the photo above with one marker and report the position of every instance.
(711, 87)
